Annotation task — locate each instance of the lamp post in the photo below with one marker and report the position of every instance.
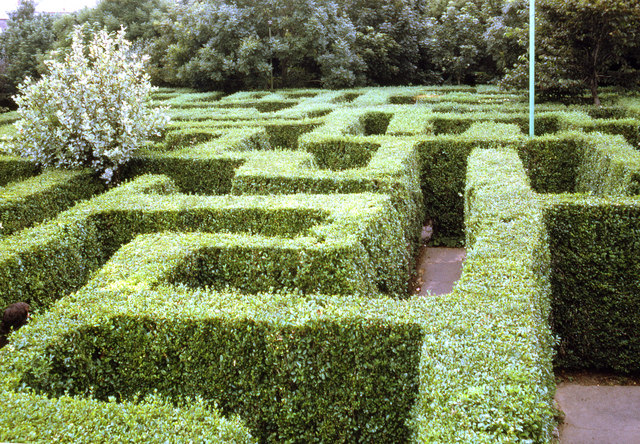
(532, 63)
(271, 59)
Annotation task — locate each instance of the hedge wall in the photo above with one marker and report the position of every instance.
(27, 417)
(294, 368)
(318, 235)
(15, 168)
(578, 162)
(42, 197)
(595, 251)
(486, 359)
(206, 168)
(444, 163)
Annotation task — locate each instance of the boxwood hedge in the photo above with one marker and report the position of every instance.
(289, 309)
(27, 417)
(595, 252)
(42, 197)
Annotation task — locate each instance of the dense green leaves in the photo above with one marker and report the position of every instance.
(23, 45)
(584, 44)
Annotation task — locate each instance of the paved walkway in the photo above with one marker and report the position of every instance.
(438, 270)
(599, 414)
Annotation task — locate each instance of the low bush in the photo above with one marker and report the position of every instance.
(409, 121)
(552, 161)
(369, 248)
(609, 166)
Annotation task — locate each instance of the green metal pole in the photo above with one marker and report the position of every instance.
(532, 62)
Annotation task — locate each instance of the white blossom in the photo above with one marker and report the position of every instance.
(90, 110)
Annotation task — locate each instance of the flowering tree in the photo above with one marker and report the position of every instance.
(91, 110)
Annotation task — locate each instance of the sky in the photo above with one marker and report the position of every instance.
(47, 5)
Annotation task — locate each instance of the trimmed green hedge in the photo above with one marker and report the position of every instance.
(444, 163)
(609, 166)
(220, 297)
(595, 250)
(409, 121)
(206, 168)
(26, 417)
(294, 368)
(629, 128)
(42, 197)
(552, 161)
(578, 162)
(317, 236)
(15, 168)
(486, 373)
(8, 118)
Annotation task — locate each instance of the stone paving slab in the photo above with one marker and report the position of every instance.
(599, 414)
(438, 270)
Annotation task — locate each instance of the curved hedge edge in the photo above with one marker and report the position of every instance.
(27, 202)
(486, 369)
(28, 417)
(16, 168)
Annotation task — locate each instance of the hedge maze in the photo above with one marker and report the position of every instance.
(248, 282)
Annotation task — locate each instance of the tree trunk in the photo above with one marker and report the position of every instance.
(593, 81)
(593, 85)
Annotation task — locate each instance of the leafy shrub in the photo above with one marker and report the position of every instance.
(91, 110)
(595, 253)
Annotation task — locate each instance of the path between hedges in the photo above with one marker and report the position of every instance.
(437, 269)
(602, 414)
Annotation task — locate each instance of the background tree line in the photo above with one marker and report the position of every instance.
(243, 44)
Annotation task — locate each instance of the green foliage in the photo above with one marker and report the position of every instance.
(91, 110)
(14, 168)
(486, 361)
(291, 367)
(42, 197)
(233, 45)
(25, 417)
(552, 162)
(583, 44)
(596, 275)
(265, 272)
(136, 16)
(457, 42)
(23, 44)
(444, 162)
(575, 162)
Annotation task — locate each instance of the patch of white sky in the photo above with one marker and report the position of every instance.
(7, 6)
